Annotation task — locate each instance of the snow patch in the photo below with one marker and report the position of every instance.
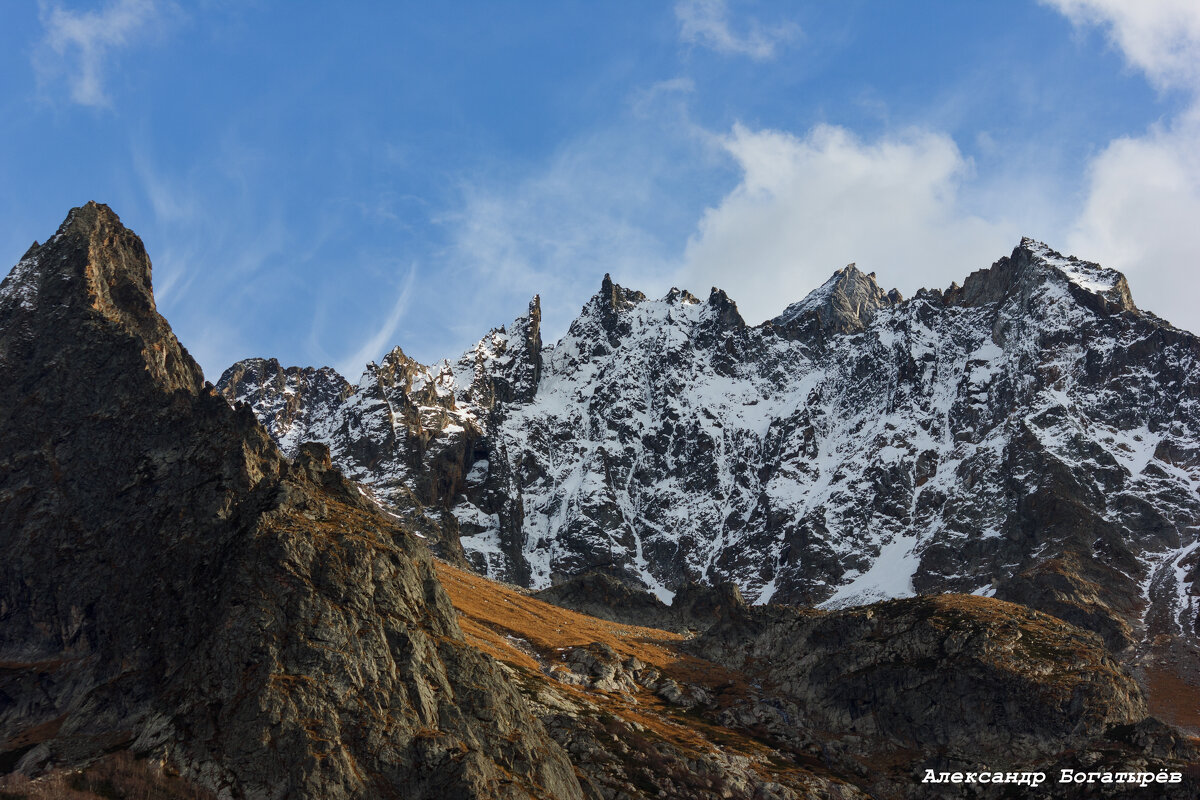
(888, 578)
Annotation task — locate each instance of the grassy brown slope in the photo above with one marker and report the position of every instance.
(490, 613)
(1172, 699)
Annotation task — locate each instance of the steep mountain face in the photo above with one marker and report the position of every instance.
(1030, 435)
(415, 434)
(172, 585)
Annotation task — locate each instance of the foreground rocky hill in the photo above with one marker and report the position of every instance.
(172, 585)
(856, 702)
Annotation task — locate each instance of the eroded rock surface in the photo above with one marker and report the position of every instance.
(953, 683)
(695, 607)
(171, 584)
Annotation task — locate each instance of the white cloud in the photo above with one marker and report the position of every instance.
(706, 23)
(648, 102)
(1143, 192)
(1141, 217)
(1159, 37)
(78, 43)
(906, 204)
(806, 206)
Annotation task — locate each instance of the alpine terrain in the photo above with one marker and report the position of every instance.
(1031, 435)
(964, 523)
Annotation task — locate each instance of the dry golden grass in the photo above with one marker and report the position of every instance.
(1172, 699)
(490, 612)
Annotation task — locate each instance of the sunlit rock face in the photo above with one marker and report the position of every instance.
(172, 586)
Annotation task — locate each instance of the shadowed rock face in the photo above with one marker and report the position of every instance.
(171, 584)
(950, 683)
(963, 672)
(695, 607)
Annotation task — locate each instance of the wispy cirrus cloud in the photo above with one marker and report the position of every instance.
(555, 230)
(78, 45)
(384, 337)
(706, 23)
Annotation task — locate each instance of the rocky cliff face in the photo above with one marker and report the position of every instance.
(1030, 435)
(952, 683)
(172, 585)
(695, 606)
(843, 304)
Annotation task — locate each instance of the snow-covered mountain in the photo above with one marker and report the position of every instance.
(1030, 435)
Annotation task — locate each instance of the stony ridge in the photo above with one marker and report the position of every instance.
(171, 585)
(952, 683)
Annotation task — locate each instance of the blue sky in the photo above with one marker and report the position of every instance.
(319, 182)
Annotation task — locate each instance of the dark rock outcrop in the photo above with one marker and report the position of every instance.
(953, 683)
(171, 584)
(695, 607)
(599, 594)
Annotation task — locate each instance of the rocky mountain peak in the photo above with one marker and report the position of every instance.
(506, 364)
(396, 358)
(602, 322)
(724, 311)
(534, 316)
(531, 339)
(681, 297)
(843, 304)
(93, 272)
(173, 586)
(1024, 273)
(268, 371)
(397, 369)
(616, 297)
(116, 278)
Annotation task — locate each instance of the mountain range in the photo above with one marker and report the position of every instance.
(903, 541)
(1031, 435)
